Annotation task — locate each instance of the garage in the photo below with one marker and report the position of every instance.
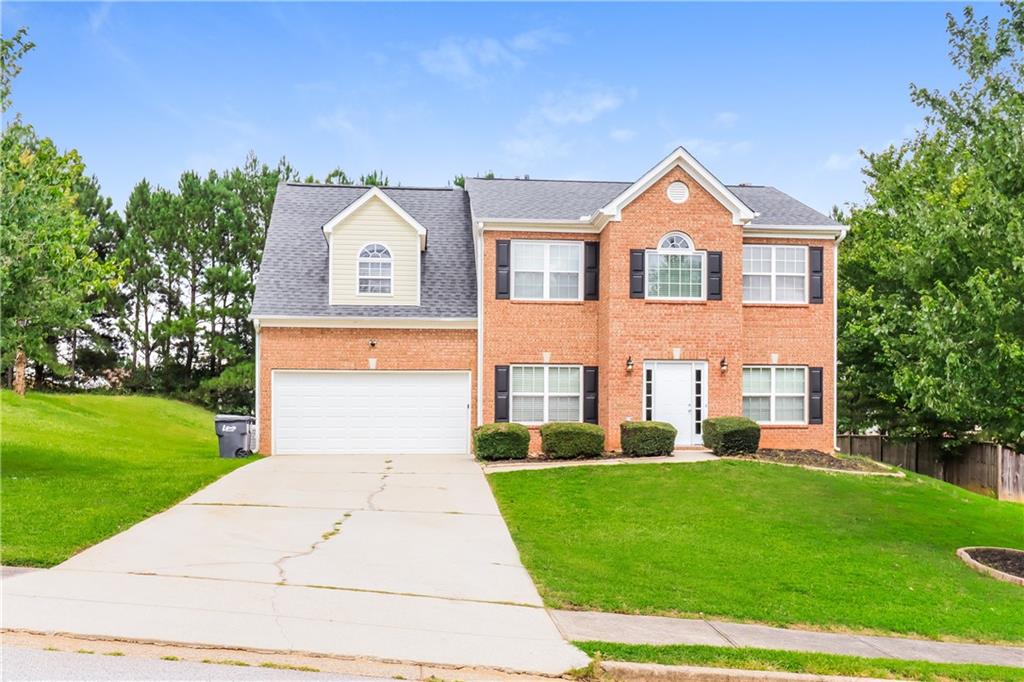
(370, 412)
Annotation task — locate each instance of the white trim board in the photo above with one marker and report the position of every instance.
(377, 193)
(679, 158)
(367, 322)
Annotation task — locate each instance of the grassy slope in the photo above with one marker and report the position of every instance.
(80, 468)
(800, 662)
(755, 542)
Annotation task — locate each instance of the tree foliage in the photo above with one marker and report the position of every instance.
(932, 275)
(51, 278)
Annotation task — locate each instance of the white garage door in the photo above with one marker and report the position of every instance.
(371, 412)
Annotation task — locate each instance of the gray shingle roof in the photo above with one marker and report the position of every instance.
(539, 199)
(293, 274)
(509, 199)
(778, 208)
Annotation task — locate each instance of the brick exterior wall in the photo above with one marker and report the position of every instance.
(608, 331)
(320, 348)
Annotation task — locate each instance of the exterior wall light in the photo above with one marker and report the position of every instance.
(629, 364)
(723, 364)
(373, 343)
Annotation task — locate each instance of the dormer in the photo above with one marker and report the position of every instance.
(374, 253)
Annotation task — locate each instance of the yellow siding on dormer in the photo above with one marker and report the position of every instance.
(375, 222)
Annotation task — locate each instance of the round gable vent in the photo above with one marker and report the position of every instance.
(678, 192)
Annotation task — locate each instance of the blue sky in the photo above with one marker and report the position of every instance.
(779, 94)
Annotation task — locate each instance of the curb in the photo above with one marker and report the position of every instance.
(964, 554)
(652, 672)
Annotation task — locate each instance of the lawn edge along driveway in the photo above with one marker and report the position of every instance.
(800, 662)
(783, 546)
(80, 468)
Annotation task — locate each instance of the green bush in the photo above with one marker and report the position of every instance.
(731, 435)
(501, 441)
(569, 440)
(645, 439)
(233, 392)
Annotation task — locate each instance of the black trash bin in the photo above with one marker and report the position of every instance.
(234, 432)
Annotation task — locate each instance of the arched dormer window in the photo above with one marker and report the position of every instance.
(675, 270)
(375, 270)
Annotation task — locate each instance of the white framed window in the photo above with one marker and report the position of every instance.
(543, 270)
(675, 271)
(775, 395)
(774, 274)
(375, 270)
(546, 393)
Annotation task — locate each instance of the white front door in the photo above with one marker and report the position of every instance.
(675, 392)
(370, 412)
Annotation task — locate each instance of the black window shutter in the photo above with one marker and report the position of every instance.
(502, 287)
(816, 386)
(501, 393)
(817, 254)
(714, 275)
(591, 258)
(590, 395)
(636, 273)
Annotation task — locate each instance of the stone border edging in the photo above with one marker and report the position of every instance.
(526, 464)
(964, 554)
(890, 474)
(653, 672)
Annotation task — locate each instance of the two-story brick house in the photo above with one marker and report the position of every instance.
(393, 320)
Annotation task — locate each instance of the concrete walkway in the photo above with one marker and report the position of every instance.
(400, 558)
(613, 627)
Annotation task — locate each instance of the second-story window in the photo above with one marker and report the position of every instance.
(675, 270)
(543, 270)
(774, 274)
(375, 269)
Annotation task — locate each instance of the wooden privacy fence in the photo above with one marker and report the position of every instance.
(987, 468)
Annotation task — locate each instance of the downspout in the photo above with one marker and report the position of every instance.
(835, 340)
(478, 247)
(258, 384)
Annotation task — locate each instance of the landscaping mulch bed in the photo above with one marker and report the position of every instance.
(1000, 558)
(817, 458)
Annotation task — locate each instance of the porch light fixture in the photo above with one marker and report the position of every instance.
(373, 343)
(629, 364)
(723, 364)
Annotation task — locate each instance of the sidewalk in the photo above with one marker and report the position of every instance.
(614, 627)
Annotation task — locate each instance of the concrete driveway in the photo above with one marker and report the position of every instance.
(391, 557)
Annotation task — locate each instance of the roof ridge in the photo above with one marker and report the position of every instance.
(381, 187)
(607, 182)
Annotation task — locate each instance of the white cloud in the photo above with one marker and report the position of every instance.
(538, 39)
(840, 162)
(469, 61)
(98, 17)
(545, 129)
(466, 61)
(578, 106)
(622, 134)
(340, 123)
(726, 119)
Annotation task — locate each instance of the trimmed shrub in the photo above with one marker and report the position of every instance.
(506, 440)
(645, 439)
(731, 435)
(569, 440)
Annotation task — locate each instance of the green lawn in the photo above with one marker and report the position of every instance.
(80, 468)
(755, 542)
(800, 662)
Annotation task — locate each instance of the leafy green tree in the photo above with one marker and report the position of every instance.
(374, 179)
(51, 279)
(932, 276)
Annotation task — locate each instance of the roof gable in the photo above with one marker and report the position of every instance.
(679, 158)
(369, 195)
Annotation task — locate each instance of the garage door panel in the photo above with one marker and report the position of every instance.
(370, 412)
